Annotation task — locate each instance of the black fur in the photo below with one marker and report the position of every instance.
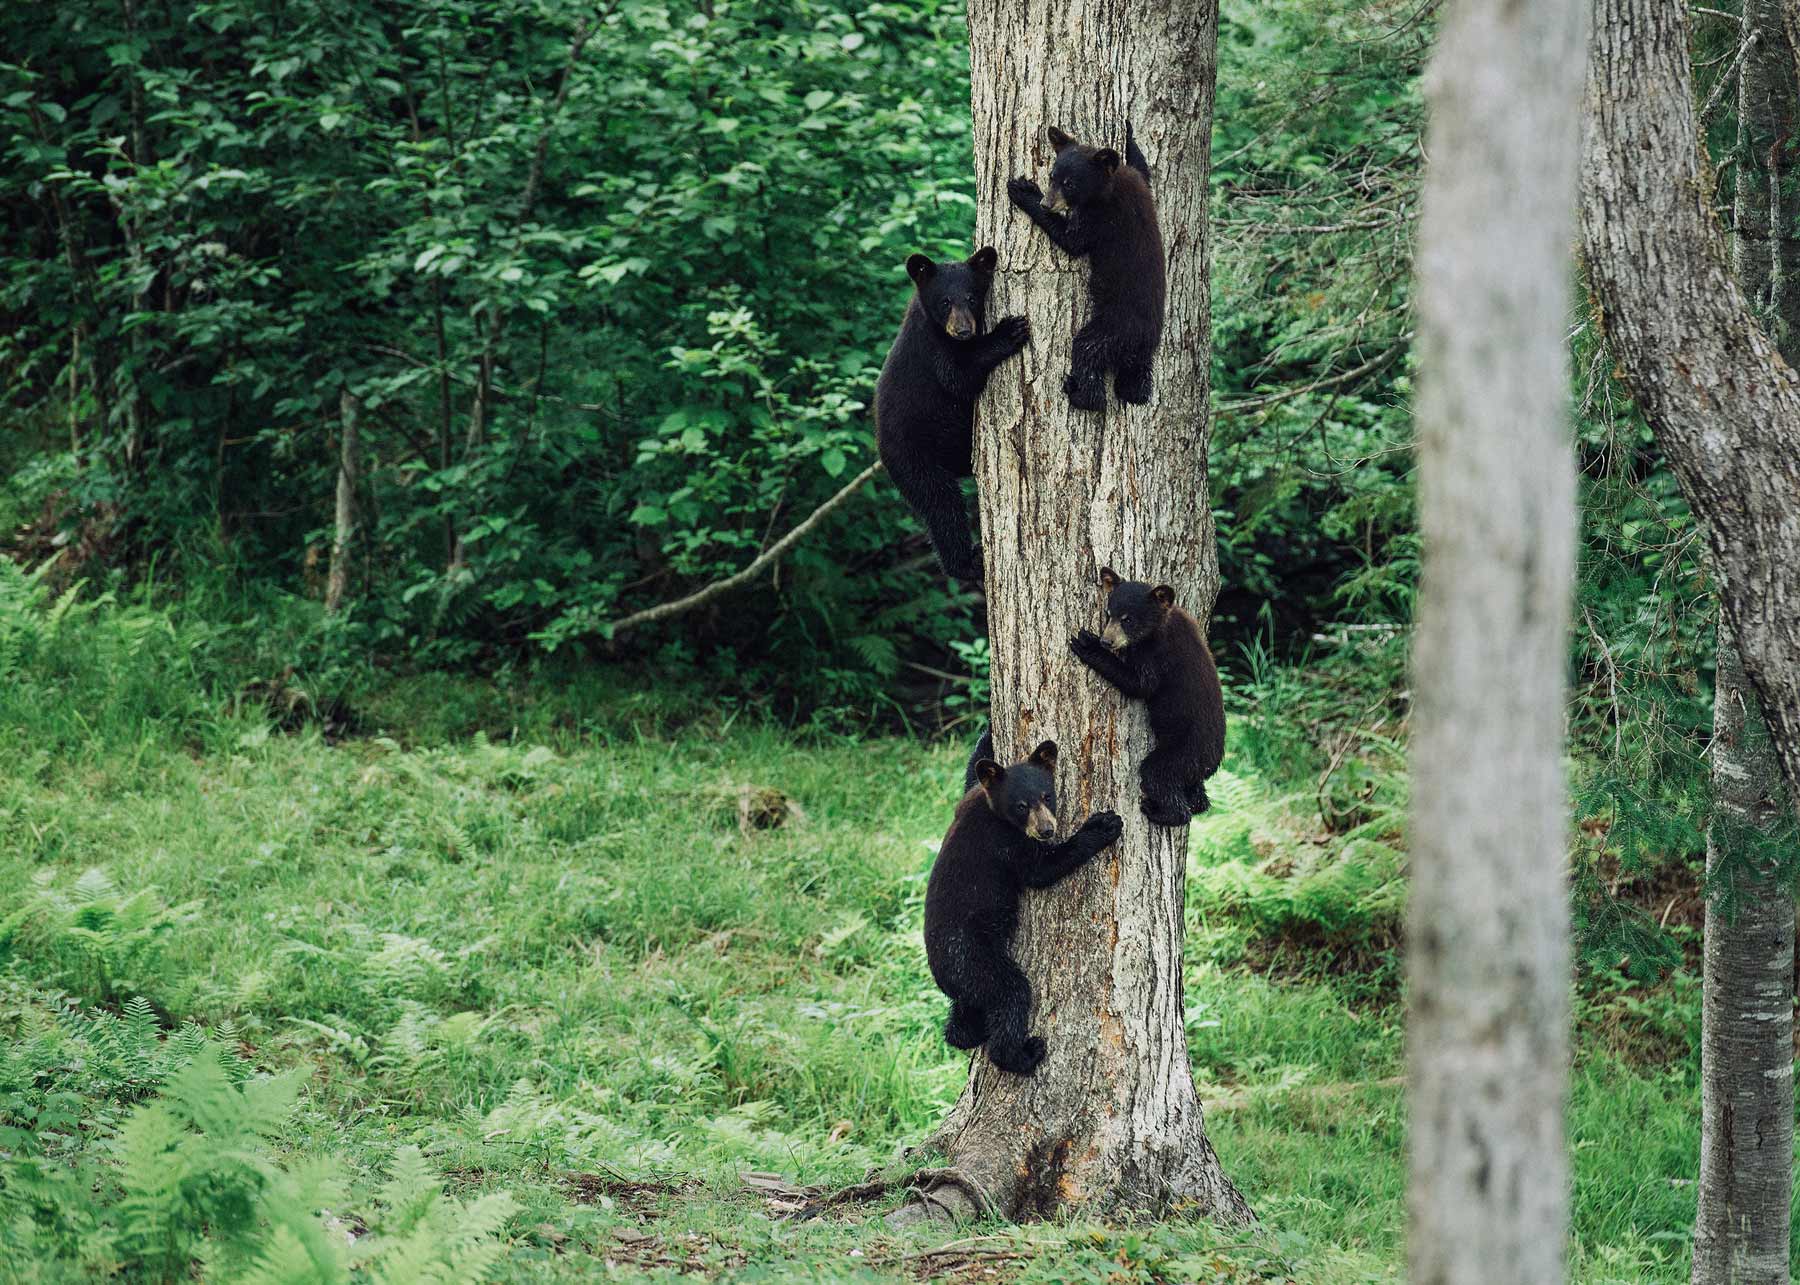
(984, 749)
(925, 398)
(1162, 659)
(1112, 220)
(996, 848)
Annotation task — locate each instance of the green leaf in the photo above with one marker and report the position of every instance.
(648, 515)
(833, 461)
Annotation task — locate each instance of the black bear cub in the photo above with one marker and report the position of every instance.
(925, 398)
(998, 846)
(1153, 651)
(1111, 218)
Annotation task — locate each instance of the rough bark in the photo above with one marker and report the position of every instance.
(1111, 1121)
(1747, 1012)
(1724, 405)
(1487, 940)
(1746, 1042)
(337, 582)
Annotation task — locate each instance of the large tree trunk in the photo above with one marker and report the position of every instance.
(1726, 410)
(1487, 937)
(1746, 1043)
(1724, 405)
(1111, 1121)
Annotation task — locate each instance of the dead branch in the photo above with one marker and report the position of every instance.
(773, 553)
(1369, 367)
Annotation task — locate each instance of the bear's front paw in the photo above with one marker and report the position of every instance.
(1025, 193)
(1103, 829)
(1087, 643)
(1013, 332)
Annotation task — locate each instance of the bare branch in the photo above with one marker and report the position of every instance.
(1367, 368)
(699, 598)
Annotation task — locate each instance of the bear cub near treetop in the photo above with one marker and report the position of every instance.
(998, 846)
(925, 398)
(1153, 651)
(1111, 218)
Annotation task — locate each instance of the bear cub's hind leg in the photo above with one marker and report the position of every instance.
(1132, 382)
(967, 1027)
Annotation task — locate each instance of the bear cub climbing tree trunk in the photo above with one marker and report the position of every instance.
(1110, 1121)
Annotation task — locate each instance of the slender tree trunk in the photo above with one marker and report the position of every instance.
(1487, 937)
(1746, 1043)
(1747, 1014)
(349, 475)
(1111, 1121)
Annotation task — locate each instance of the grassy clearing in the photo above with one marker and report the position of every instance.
(543, 990)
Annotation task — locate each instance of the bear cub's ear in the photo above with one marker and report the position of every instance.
(1164, 595)
(920, 269)
(984, 260)
(1108, 579)
(1107, 159)
(1045, 756)
(989, 773)
(1058, 139)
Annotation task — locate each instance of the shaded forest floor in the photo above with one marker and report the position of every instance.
(608, 961)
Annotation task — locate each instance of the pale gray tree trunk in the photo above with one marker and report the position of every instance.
(337, 582)
(1111, 1121)
(1487, 935)
(1746, 1043)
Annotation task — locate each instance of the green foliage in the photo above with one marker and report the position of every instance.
(103, 943)
(122, 1152)
(1316, 147)
(586, 271)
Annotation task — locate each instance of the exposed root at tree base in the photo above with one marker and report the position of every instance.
(942, 1195)
(1038, 1186)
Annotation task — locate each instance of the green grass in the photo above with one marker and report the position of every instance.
(523, 930)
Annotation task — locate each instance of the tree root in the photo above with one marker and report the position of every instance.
(947, 1195)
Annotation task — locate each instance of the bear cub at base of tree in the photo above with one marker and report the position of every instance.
(1111, 218)
(997, 847)
(1153, 651)
(925, 398)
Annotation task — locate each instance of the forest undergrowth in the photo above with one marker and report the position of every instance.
(523, 976)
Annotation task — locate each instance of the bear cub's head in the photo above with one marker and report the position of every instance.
(1081, 174)
(1023, 796)
(954, 295)
(1134, 610)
